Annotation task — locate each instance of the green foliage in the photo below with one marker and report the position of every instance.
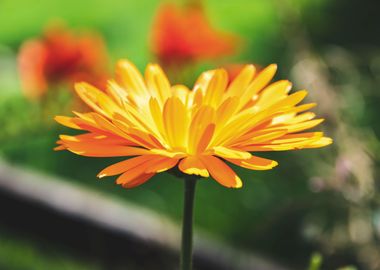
(315, 261)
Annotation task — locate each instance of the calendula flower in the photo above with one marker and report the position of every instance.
(201, 130)
(184, 35)
(61, 56)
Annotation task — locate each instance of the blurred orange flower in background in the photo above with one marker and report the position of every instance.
(184, 35)
(59, 57)
(163, 125)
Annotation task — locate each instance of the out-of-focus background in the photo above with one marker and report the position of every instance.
(55, 214)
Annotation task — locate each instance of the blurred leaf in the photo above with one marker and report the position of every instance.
(315, 261)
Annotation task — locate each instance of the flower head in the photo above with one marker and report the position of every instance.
(201, 130)
(183, 35)
(60, 56)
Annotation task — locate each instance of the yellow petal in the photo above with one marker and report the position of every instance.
(273, 93)
(324, 141)
(241, 82)
(110, 127)
(97, 99)
(66, 121)
(301, 118)
(226, 110)
(157, 82)
(260, 137)
(183, 93)
(304, 125)
(215, 89)
(203, 81)
(225, 152)
(254, 163)
(258, 83)
(175, 122)
(201, 121)
(130, 77)
(118, 93)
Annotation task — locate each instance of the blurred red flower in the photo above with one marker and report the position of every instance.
(184, 35)
(61, 56)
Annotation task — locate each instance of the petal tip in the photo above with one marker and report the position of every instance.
(274, 164)
(273, 66)
(101, 175)
(239, 183)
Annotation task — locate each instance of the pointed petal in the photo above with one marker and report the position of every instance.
(96, 99)
(221, 172)
(258, 83)
(157, 82)
(124, 166)
(135, 171)
(175, 122)
(192, 165)
(273, 93)
(162, 165)
(130, 77)
(139, 180)
(254, 163)
(95, 150)
(201, 121)
(324, 141)
(225, 152)
(215, 89)
(241, 82)
(66, 121)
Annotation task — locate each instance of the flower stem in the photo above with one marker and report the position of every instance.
(187, 224)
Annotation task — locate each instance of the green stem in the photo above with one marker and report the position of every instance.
(187, 224)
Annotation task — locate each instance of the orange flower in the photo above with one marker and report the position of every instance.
(184, 35)
(59, 57)
(200, 130)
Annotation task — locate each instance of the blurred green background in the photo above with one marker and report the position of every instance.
(323, 200)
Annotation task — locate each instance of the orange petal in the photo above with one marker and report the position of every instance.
(133, 173)
(102, 150)
(221, 172)
(124, 166)
(193, 165)
(162, 165)
(139, 180)
(96, 99)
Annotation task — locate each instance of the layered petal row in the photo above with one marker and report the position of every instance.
(201, 130)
